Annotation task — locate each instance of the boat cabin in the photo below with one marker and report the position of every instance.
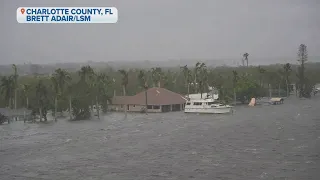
(202, 102)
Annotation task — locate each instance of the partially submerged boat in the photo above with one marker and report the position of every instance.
(208, 105)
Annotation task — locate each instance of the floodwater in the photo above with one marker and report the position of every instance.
(262, 142)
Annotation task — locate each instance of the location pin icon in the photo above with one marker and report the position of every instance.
(22, 10)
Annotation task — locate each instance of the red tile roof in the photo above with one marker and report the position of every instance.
(156, 96)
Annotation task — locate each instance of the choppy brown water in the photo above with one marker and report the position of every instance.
(263, 142)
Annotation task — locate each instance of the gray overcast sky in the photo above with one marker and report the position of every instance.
(165, 29)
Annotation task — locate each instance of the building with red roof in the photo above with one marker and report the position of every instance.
(158, 100)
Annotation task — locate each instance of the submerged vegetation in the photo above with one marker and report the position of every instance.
(79, 92)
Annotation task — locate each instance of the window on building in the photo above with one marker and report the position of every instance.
(149, 107)
(197, 103)
(156, 107)
(188, 103)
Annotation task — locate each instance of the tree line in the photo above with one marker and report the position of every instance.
(79, 92)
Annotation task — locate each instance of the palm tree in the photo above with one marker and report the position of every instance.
(86, 73)
(63, 79)
(287, 71)
(87, 76)
(7, 86)
(125, 80)
(15, 87)
(157, 75)
(201, 76)
(187, 76)
(143, 83)
(245, 56)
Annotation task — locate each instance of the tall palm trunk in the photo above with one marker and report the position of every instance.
(114, 93)
(159, 84)
(27, 102)
(97, 107)
(55, 108)
(279, 90)
(70, 108)
(125, 104)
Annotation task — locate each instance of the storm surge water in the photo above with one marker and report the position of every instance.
(261, 142)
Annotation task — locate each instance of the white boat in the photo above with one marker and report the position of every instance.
(208, 105)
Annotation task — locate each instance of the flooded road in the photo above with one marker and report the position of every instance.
(262, 142)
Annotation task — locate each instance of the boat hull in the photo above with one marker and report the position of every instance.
(215, 110)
